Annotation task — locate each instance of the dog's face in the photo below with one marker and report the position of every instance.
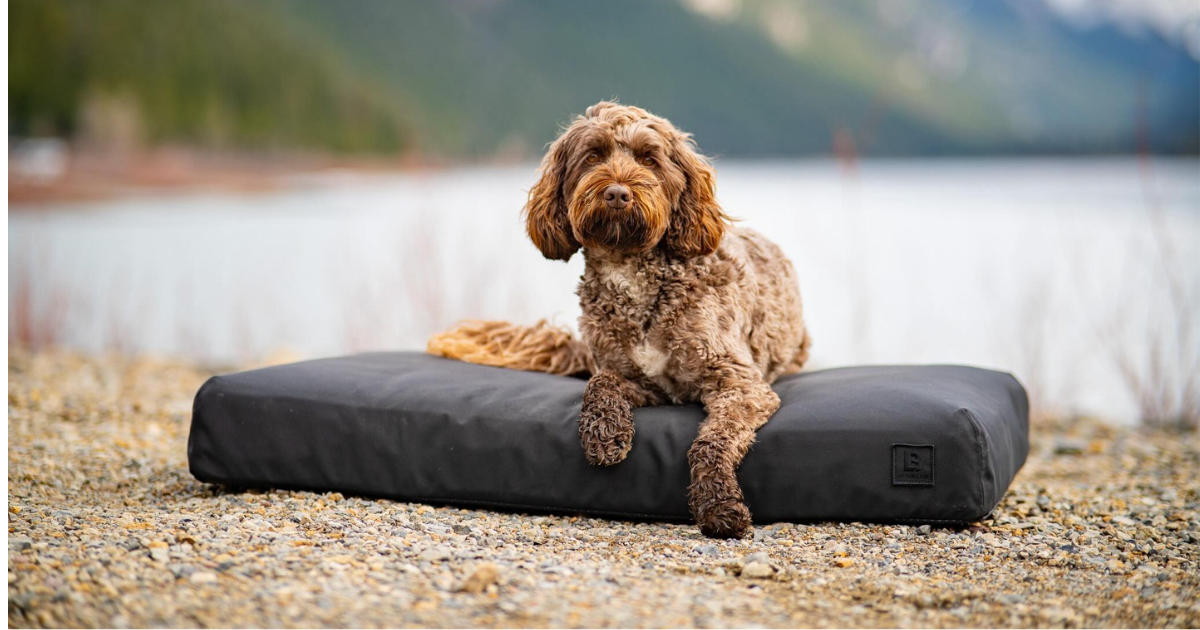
(622, 179)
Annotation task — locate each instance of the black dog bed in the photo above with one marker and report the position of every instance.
(931, 444)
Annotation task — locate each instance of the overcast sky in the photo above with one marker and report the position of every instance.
(1178, 20)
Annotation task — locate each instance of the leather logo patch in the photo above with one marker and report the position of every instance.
(912, 464)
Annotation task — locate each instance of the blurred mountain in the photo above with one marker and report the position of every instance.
(221, 74)
(474, 79)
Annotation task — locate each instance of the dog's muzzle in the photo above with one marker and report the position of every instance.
(617, 197)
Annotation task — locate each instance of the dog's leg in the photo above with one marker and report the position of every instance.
(606, 421)
(738, 402)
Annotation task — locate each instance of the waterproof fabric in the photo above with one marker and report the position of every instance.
(932, 444)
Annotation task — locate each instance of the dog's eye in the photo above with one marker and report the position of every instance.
(593, 157)
(647, 161)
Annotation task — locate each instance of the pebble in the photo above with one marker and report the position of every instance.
(1068, 446)
(760, 557)
(204, 577)
(484, 576)
(181, 570)
(757, 570)
(1105, 537)
(434, 554)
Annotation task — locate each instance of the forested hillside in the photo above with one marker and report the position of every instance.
(465, 79)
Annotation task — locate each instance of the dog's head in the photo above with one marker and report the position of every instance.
(622, 179)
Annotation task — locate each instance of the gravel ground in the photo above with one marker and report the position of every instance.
(107, 528)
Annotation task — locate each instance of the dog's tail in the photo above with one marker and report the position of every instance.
(801, 358)
(802, 355)
(542, 347)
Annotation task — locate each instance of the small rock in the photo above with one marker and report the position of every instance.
(434, 554)
(181, 570)
(757, 570)
(708, 550)
(19, 543)
(760, 556)
(1068, 446)
(484, 576)
(1058, 615)
(924, 530)
(204, 577)
(842, 563)
(462, 529)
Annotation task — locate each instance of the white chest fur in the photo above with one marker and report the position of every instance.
(631, 280)
(651, 360)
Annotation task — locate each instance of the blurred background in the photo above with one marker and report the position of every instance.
(1012, 183)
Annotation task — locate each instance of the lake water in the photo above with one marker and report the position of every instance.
(1056, 270)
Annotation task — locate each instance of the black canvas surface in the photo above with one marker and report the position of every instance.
(882, 443)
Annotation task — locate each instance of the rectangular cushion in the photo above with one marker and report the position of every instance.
(881, 443)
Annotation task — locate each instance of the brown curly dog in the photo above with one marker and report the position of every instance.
(678, 306)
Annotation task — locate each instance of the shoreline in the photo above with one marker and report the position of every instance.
(83, 176)
(71, 176)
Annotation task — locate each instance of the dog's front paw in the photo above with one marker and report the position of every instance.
(728, 519)
(716, 502)
(606, 435)
(605, 427)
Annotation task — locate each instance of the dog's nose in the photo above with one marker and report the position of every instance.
(616, 197)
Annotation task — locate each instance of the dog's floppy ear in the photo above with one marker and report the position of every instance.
(546, 219)
(697, 222)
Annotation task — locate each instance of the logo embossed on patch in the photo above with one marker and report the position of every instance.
(912, 464)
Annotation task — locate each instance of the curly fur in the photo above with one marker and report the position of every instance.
(678, 306)
(538, 348)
